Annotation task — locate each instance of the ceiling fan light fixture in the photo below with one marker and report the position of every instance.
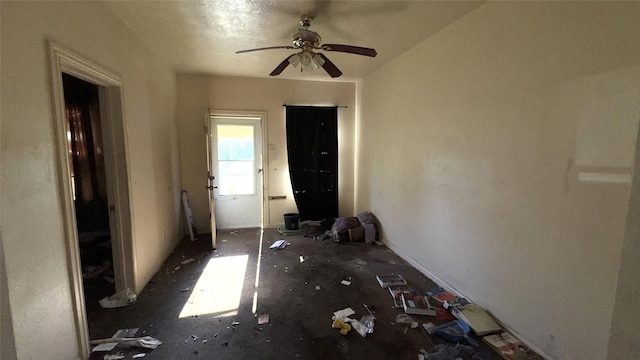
(294, 60)
(307, 60)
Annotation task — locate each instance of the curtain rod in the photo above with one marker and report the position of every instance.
(338, 106)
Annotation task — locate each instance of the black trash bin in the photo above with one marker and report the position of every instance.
(291, 221)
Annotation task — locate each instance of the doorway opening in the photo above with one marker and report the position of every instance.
(94, 188)
(89, 191)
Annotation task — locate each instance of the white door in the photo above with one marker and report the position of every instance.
(210, 181)
(236, 161)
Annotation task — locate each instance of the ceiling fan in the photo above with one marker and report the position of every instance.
(307, 41)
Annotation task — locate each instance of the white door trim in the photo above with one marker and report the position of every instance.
(265, 145)
(116, 164)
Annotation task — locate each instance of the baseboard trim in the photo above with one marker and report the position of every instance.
(450, 288)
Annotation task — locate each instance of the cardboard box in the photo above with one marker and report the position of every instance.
(356, 234)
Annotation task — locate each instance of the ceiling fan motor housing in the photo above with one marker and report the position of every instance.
(302, 43)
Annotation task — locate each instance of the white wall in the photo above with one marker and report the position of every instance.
(196, 93)
(32, 231)
(467, 145)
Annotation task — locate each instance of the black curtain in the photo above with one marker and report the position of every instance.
(312, 147)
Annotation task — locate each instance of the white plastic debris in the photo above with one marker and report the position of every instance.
(120, 299)
(263, 319)
(105, 347)
(146, 342)
(279, 244)
(344, 313)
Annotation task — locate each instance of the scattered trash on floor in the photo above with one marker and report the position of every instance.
(118, 356)
(185, 290)
(345, 282)
(370, 310)
(139, 355)
(104, 347)
(406, 319)
(279, 244)
(263, 319)
(92, 272)
(346, 312)
(429, 327)
(317, 287)
(119, 299)
(368, 322)
(194, 337)
(302, 258)
(176, 268)
(456, 330)
(235, 323)
(509, 347)
(187, 261)
(340, 324)
(146, 342)
(204, 341)
(450, 352)
(358, 326)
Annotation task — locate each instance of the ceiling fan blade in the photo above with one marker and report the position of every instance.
(265, 48)
(329, 67)
(308, 35)
(350, 49)
(283, 65)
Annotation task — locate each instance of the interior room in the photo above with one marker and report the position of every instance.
(494, 142)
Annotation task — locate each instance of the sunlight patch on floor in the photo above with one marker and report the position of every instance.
(219, 288)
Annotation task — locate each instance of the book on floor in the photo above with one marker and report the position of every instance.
(416, 304)
(441, 295)
(510, 348)
(391, 280)
(396, 293)
(478, 319)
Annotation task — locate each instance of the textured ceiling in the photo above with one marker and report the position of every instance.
(203, 36)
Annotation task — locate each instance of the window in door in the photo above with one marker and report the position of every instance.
(236, 158)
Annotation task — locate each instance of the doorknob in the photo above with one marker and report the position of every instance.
(211, 187)
(259, 171)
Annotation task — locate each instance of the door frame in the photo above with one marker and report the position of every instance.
(62, 59)
(262, 115)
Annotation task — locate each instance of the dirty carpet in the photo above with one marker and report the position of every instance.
(298, 287)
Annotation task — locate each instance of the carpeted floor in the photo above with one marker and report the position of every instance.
(299, 287)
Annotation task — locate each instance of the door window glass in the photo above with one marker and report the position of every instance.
(236, 156)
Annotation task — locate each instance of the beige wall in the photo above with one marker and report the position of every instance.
(196, 93)
(475, 183)
(7, 340)
(625, 331)
(32, 231)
